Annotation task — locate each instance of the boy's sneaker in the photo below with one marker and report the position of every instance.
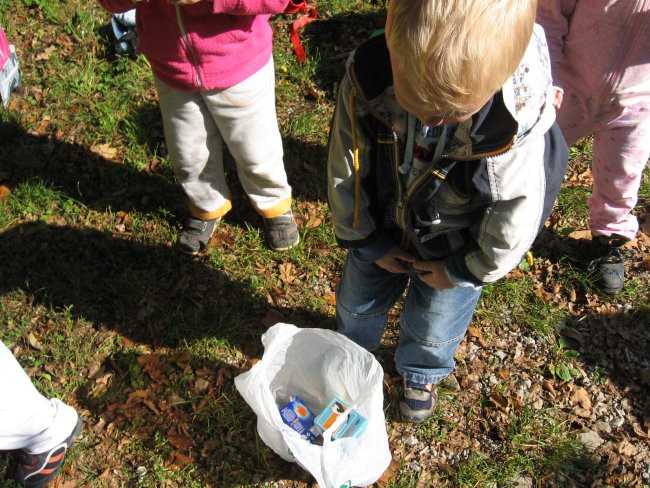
(608, 263)
(417, 403)
(195, 235)
(282, 231)
(37, 470)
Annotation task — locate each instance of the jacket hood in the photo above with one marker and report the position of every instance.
(521, 107)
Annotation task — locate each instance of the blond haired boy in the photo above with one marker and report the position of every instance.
(444, 163)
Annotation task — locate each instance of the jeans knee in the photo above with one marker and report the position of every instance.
(433, 338)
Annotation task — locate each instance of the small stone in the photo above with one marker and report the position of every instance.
(501, 355)
(451, 382)
(538, 404)
(522, 482)
(604, 427)
(415, 466)
(590, 439)
(493, 380)
(617, 422)
(409, 439)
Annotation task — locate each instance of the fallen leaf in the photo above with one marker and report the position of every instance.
(314, 221)
(201, 384)
(105, 150)
(178, 460)
(5, 192)
(287, 272)
(34, 342)
(475, 332)
(580, 397)
(580, 234)
(330, 299)
(180, 441)
(45, 54)
(272, 317)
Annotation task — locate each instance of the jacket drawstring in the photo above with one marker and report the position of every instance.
(355, 162)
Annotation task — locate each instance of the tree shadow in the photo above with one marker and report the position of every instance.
(181, 412)
(335, 38)
(84, 175)
(149, 293)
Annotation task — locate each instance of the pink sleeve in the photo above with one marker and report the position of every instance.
(555, 17)
(248, 7)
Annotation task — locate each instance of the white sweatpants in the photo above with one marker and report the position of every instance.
(28, 420)
(244, 117)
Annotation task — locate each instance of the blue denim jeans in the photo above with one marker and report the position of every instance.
(432, 322)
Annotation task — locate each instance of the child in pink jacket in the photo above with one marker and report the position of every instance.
(600, 53)
(213, 67)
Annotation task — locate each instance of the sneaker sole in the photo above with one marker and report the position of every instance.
(288, 247)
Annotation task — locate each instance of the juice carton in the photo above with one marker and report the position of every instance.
(353, 426)
(296, 414)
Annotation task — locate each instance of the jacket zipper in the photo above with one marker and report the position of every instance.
(190, 49)
(426, 176)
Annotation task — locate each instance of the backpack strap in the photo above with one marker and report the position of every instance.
(309, 14)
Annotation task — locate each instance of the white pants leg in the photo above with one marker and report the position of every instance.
(242, 116)
(28, 420)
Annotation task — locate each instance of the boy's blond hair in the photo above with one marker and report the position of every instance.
(453, 54)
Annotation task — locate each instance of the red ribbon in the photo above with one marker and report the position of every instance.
(309, 14)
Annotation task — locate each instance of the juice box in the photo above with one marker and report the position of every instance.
(353, 426)
(297, 415)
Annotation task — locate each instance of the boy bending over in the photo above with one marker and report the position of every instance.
(444, 163)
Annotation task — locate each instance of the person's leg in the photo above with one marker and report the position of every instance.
(28, 420)
(195, 147)
(432, 325)
(246, 117)
(621, 151)
(363, 298)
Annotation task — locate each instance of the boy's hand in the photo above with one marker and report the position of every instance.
(559, 96)
(433, 274)
(394, 260)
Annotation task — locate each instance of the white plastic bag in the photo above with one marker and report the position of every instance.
(9, 69)
(317, 365)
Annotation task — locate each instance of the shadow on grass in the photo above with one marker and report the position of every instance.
(335, 38)
(175, 413)
(84, 175)
(151, 294)
(166, 410)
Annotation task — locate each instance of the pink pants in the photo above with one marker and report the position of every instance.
(621, 149)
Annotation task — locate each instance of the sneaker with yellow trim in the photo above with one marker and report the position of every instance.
(195, 235)
(282, 231)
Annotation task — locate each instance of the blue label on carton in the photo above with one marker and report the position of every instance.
(296, 414)
(353, 426)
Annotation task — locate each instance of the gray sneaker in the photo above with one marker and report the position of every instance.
(417, 403)
(195, 235)
(608, 263)
(282, 231)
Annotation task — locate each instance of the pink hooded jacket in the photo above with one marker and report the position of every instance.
(211, 44)
(601, 46)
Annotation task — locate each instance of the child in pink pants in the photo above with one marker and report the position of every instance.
(600, 52)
